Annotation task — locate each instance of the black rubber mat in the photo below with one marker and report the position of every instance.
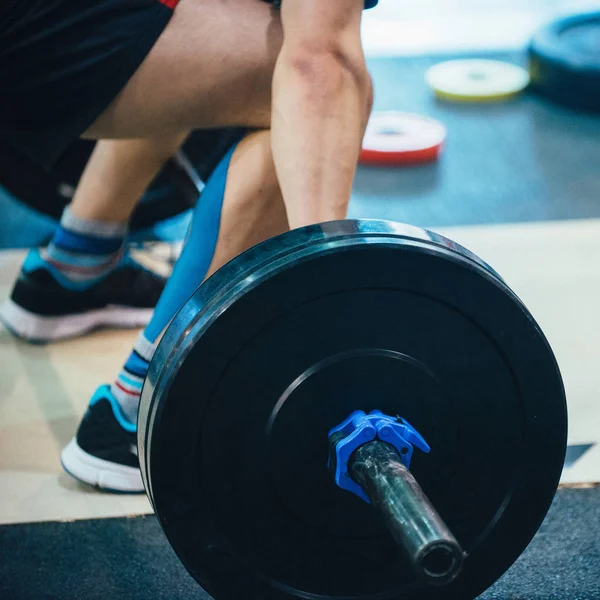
(516, 161)
(130, 559)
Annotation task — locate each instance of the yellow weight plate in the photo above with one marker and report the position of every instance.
(477, 80)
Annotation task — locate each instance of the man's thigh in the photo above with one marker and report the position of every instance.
(212, 66)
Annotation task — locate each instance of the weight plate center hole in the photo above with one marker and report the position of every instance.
(477, 76)
(390, 131)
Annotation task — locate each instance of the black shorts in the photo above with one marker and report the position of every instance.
(62, 62)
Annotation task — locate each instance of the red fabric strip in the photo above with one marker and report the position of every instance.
(129, 393)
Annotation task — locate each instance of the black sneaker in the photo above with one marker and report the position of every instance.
(45, 306)
(104, 452)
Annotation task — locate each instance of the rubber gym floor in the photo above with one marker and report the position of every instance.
(518, 184)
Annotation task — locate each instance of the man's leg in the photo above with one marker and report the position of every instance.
(85, 279)
(219, 57)
(117, 175)
(211, 67)
(211, 82)
(241, 206)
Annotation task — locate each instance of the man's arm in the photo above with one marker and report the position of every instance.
(321, 99)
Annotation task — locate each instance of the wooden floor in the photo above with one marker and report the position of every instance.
(44, 390)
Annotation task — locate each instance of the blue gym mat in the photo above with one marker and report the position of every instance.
(522, 160)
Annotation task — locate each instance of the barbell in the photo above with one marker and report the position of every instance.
(356, 409)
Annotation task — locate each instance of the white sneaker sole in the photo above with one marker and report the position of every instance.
(36, 328)
(100, 473)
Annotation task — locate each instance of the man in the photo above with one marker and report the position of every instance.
(139, 75)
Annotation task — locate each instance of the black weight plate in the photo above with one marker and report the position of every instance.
(285, 342)
(564, 61)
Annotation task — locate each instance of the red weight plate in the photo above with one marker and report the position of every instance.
(396, 138)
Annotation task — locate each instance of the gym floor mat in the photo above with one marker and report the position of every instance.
(519, 161)
(130, 558)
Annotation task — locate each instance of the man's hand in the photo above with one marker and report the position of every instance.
(322, 97)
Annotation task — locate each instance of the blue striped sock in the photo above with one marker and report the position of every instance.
(188, 274)
(85, 250)
(127, 387)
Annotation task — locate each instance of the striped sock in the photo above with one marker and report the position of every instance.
(85, 250)
(188, 273)
(128, 385)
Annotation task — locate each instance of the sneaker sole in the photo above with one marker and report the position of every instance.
(35, 328)
(103, 474)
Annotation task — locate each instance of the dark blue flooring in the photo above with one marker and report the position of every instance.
(523, 160)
